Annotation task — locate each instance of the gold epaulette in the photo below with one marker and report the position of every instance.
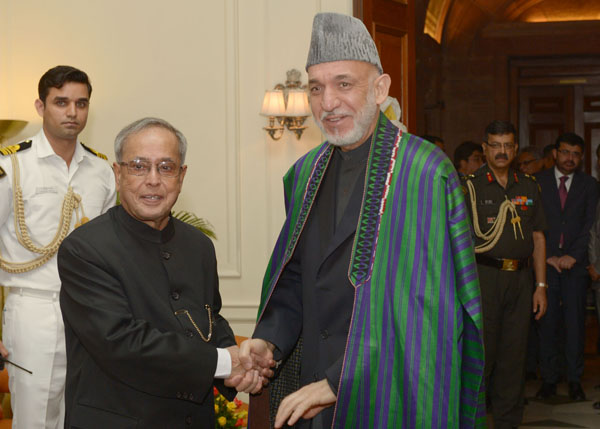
(98, 154)
(9, 150)
(2, 173)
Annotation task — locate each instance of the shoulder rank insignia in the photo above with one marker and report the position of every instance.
(531, 177)
(98, 154)
(9, 150)
(2, 173)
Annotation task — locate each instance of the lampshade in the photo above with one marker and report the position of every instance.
(297, 103)
(273, 104)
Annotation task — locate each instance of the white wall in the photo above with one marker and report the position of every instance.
(202, 65)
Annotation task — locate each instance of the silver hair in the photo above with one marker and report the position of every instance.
(535, 151)
(142, 124)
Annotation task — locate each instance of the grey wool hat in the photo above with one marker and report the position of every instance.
(337, 37)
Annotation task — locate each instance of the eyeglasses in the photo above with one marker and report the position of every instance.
(498, 146)
(565, 152)
(140, 167)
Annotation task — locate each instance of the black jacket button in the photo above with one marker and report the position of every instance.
(188, 420)
(189, 333)
(166, 255)
(175, 295)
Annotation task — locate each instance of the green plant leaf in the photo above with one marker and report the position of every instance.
(197, 222)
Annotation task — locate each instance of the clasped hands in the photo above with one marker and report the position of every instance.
(257, 355)
(251, 373)
(564, 262)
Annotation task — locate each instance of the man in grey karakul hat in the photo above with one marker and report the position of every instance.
(373, 294)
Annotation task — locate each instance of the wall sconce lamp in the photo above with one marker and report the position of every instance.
(286, 106)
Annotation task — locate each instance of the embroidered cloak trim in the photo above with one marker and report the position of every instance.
(414, 355)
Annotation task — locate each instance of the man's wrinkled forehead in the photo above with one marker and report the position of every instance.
(341, 70)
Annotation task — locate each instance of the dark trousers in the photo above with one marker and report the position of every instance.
(533, 347)
(566, 309)
(507, 306)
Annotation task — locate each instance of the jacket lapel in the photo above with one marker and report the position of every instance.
(573, 189)
(347, 224)
(550, 183)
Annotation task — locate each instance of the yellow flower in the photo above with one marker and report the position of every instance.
(222, 421)
(216, 409)
(231, 406)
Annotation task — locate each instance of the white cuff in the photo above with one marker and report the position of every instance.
(223, 364)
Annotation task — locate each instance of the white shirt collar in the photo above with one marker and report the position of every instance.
(44, 149)
(558, 175)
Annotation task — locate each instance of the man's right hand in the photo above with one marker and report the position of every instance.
(3, 350)
(257, 354)
(554, 262)
(244, 381)
(593, 273)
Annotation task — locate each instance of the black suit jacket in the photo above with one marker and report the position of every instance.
(575, 221)
(132, 362)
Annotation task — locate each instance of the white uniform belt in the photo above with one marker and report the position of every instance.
(36, 293)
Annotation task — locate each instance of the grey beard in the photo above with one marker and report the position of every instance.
(362, 123)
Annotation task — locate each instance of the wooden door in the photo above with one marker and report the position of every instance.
(588, 108)
(550, 96)
(392, 25)
(544, 114)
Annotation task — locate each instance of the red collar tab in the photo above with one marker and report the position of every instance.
(489, 177)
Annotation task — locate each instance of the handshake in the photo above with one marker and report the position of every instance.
(251, 365)
(251, 370)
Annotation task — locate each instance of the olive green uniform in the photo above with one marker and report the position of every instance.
(506, 281)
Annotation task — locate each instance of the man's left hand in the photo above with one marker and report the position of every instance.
(540, 302)
(306, 402)
(566, 262)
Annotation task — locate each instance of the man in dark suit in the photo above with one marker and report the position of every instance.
(140, 301)
(569, 197)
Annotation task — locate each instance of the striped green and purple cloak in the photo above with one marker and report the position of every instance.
(414, 354)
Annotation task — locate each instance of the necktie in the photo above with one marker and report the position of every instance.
(562, 193)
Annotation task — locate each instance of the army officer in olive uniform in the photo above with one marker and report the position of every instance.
(508, 222)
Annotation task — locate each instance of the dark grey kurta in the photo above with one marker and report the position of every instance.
(131, 359)
(314, 296)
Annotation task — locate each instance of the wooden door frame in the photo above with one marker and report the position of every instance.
(386, 22)
(550, 71)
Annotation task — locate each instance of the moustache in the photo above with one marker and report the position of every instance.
(501, 156)
(326, 115)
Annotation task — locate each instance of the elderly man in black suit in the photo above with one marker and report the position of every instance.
(140, 301)
(569, 197)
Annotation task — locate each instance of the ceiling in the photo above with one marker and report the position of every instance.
(450, 20)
